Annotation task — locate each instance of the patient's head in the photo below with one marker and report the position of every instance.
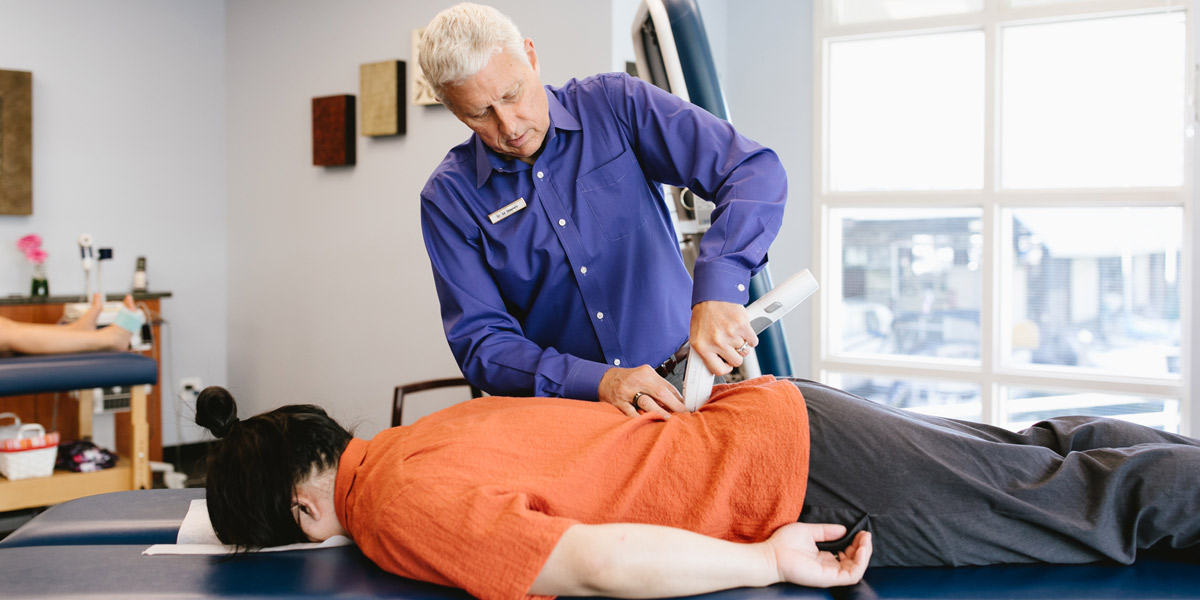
(257, 464)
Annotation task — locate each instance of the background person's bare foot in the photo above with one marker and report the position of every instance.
(87, 321)
(116, 337)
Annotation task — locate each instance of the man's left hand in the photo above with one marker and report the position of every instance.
(721, 334)
(640, 388)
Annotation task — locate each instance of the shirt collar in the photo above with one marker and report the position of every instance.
(352, 457)
(487, 160)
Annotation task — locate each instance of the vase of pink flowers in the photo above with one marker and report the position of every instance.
(31, 246)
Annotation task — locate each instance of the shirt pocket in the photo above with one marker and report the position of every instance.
(617, 195)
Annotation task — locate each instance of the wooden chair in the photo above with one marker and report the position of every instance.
(421, 386)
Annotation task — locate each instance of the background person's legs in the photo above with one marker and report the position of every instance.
(942, 492)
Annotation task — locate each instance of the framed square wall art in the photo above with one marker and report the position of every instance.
(381, 89)
(422, 93)
(16, 143)
(333, 130)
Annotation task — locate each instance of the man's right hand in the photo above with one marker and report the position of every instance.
(640, 388)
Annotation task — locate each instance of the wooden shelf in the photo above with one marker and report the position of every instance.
(132, 471)
(63, 486)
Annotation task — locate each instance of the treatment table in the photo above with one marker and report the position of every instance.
(82, 373)
(92, 548)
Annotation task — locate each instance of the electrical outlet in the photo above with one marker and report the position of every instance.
(189, 386)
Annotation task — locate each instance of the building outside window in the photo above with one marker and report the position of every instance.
(1002, 192)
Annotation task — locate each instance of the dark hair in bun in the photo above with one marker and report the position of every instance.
(256, 464)
(216, 410)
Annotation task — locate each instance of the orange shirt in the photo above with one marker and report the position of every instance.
(477, 495)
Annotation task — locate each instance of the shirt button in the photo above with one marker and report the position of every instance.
(741, 288)
(617, 362)
(600, 315)
(540, 174)
(562, 222)
(583, 270)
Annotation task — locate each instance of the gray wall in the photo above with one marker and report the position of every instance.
(129, 145)
(331, 298)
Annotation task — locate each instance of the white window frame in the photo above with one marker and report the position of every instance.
(991, 373)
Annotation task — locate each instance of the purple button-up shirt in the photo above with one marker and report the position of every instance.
(550, 274)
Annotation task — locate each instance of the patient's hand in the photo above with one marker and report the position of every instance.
(620, 386)
(799, 561)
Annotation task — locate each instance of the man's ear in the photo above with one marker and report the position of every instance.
(532, 55)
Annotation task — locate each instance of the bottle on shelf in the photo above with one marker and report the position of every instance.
(139, 275)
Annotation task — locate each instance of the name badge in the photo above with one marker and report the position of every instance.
(505, 212)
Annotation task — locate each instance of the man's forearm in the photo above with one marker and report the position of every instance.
(648, 561)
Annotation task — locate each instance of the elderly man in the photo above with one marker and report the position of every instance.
(553, 252)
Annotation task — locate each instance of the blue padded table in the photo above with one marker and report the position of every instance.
(134, 517)
(1152, 577)
(91, 548)
(84, 372)
(45, 572)
(35, 374)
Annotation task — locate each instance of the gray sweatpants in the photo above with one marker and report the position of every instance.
(936, 491)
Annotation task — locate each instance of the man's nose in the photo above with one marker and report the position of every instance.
(506, 121)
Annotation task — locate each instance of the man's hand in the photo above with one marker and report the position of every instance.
(799, 561)
(640, 388)
(721, 334)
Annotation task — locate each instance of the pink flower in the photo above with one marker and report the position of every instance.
(32, 241)
(31, 246)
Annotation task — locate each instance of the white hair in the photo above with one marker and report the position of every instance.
(461, 40)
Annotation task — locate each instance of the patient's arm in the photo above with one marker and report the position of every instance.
(648, 561)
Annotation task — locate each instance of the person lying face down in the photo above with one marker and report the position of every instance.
(773, 480)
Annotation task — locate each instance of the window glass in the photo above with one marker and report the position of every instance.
(845, 12)
(1027, 3)
(910, 282)
(1096, 288)
(1024, 407)
(906, 113)
(1094, 103)
(956, 400)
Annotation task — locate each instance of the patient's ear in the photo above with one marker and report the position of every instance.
(313, 506)
(306, 511)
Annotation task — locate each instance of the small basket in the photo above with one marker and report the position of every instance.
(9, 430)
(29, 456)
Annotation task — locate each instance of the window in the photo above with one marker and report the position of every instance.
(1002, 193)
